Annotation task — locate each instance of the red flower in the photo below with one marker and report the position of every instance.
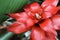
(33, 14)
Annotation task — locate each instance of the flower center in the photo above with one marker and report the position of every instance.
(38, 16)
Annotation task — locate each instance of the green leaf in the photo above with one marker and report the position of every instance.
(39, 1)
(8, 6)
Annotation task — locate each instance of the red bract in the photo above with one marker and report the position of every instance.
(34, 7)
(23, 20)
(37, 34)
(34, 13)
(17, 28)
(50, 26)
(46, 10)
(56, 22)
(50, 2)
(50, 36)
(49, 11)
(47, 26)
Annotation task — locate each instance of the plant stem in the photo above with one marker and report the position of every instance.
(7, 36)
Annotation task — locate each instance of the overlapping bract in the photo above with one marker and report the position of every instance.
(33, 14)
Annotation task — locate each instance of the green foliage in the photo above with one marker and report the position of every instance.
(10, 6)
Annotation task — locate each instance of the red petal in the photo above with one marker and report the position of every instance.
(56, 22)
(35, 7)
(49, 11)
(37, 34)
(17, 28)
(48, 26)
(29, 23)
(18, 15)
(52, 9)
(50, 36)
(46, 15)
(50, 2)
(15, 16)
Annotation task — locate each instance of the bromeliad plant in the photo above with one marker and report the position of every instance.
(33, 14)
